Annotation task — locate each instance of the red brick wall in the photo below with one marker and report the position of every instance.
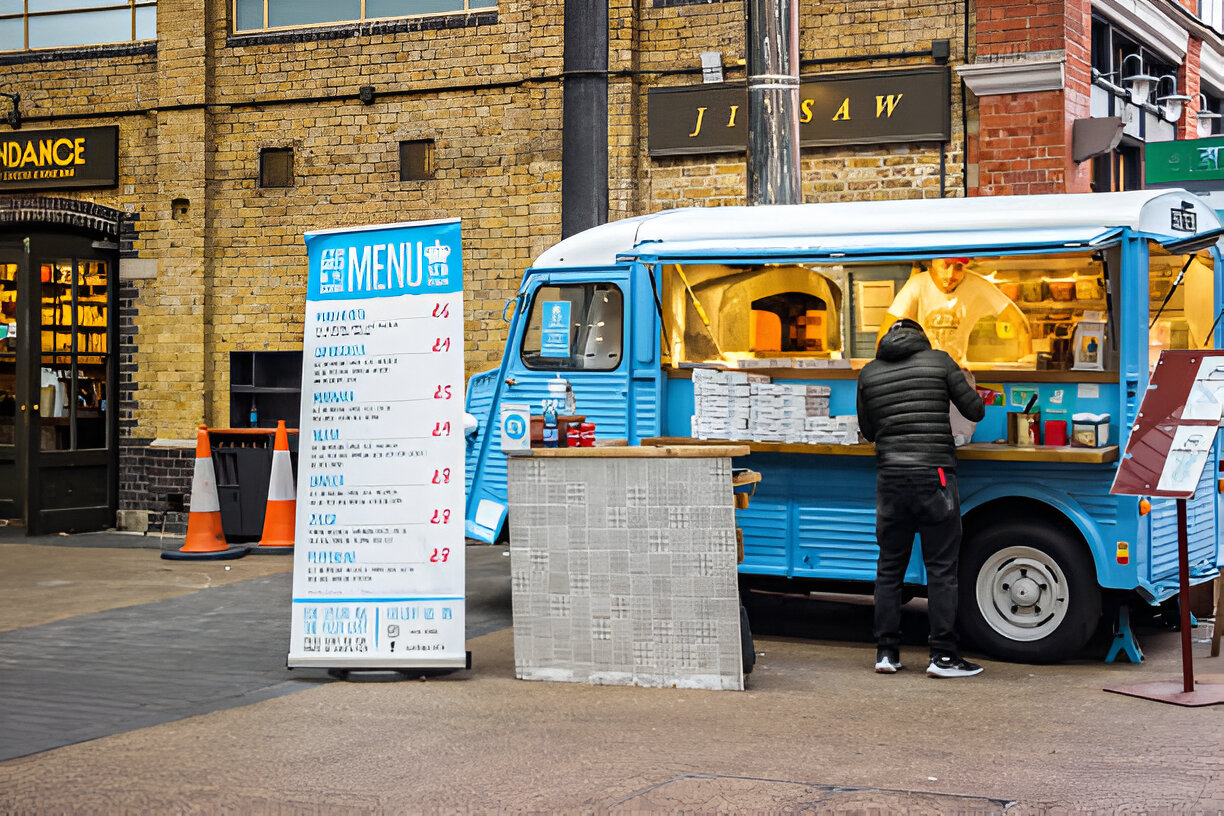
(1188, 83)
(1023, 144)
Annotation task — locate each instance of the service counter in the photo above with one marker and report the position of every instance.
(851, 372)
(623, 565)
(980, 451)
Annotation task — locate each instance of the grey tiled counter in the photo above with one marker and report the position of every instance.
(623, 566)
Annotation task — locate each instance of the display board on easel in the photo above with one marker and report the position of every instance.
(378, 574)
(1170, 443)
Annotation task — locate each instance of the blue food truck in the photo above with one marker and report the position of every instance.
(751, 324)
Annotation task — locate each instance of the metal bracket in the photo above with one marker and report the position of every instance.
(1124, 639)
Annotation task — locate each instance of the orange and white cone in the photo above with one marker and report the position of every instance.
(205, 538)
(281, 513)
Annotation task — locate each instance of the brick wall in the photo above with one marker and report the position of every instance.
(1023, 140)
(672, 38)
(195, 109)
(153, 480)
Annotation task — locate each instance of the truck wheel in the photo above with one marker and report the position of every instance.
(747, 647)
(1028, 592)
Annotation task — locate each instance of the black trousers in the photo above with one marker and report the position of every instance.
(909, 502)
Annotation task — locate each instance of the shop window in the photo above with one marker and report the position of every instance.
(41, 24)
(1211, 12)
(257, 15)
(1179, 305)
(416, 160)
(1118, 170)
(575, 327)
(74, 340)
(276, 167)
(8, 351)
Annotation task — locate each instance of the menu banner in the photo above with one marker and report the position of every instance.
(1175, 427)
(378, 572)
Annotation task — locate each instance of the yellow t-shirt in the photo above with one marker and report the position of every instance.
(948, 319)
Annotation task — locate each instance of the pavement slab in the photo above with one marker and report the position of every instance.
(816, 731)
(50, 579)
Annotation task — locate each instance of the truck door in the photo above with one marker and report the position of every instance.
(578, 325)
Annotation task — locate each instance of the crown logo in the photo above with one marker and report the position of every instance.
(437, 254)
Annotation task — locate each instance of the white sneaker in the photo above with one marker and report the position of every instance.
(888, 661)
(946, 665)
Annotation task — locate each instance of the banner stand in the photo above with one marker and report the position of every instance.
(379, 561)
(346, 675)
(1174, 434)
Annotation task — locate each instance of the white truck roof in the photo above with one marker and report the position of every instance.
(913, 225)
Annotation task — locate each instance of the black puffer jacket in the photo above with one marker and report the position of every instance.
(903, 397)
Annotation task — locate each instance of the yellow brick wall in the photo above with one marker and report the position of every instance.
(232, 269)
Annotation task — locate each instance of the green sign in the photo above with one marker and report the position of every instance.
(1185, 162)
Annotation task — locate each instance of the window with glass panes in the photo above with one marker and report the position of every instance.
(256, 15)
(27, 25)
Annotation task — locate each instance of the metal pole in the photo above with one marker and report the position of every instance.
(773, 102)
(584, 117)
(1183, 596)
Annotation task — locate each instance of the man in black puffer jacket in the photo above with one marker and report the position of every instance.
(903, 397)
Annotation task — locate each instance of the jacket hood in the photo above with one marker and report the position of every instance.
(901, 342)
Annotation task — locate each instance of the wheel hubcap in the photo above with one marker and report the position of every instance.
(1022, 593)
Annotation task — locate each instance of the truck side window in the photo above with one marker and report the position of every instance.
(1180, 314)
(575, 327)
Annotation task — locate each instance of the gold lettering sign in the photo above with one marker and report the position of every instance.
(872, 107)
(77, 157)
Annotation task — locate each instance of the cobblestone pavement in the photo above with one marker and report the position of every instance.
(155, 715)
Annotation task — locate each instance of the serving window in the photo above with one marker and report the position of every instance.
(1045, 312)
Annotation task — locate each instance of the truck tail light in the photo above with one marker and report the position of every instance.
(1123, 552)
(1145, 507)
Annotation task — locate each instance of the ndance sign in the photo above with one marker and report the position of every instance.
(874, 107)
(57, 159)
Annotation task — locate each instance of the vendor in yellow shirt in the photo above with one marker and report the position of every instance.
(949, 300)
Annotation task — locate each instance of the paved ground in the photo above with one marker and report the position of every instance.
(163, 684)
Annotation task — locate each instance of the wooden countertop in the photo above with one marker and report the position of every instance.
(982, 375)
(690, 449)
(980, 451)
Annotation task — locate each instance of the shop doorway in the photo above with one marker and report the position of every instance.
(58, 381)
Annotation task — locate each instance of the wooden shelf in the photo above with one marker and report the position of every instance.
(1095, 304)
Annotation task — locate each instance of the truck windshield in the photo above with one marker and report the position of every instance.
(574, 326)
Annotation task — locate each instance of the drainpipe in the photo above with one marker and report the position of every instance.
(773, 102)
(584, 117)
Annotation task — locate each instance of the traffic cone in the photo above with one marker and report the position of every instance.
(205, 538)
(281, 513)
